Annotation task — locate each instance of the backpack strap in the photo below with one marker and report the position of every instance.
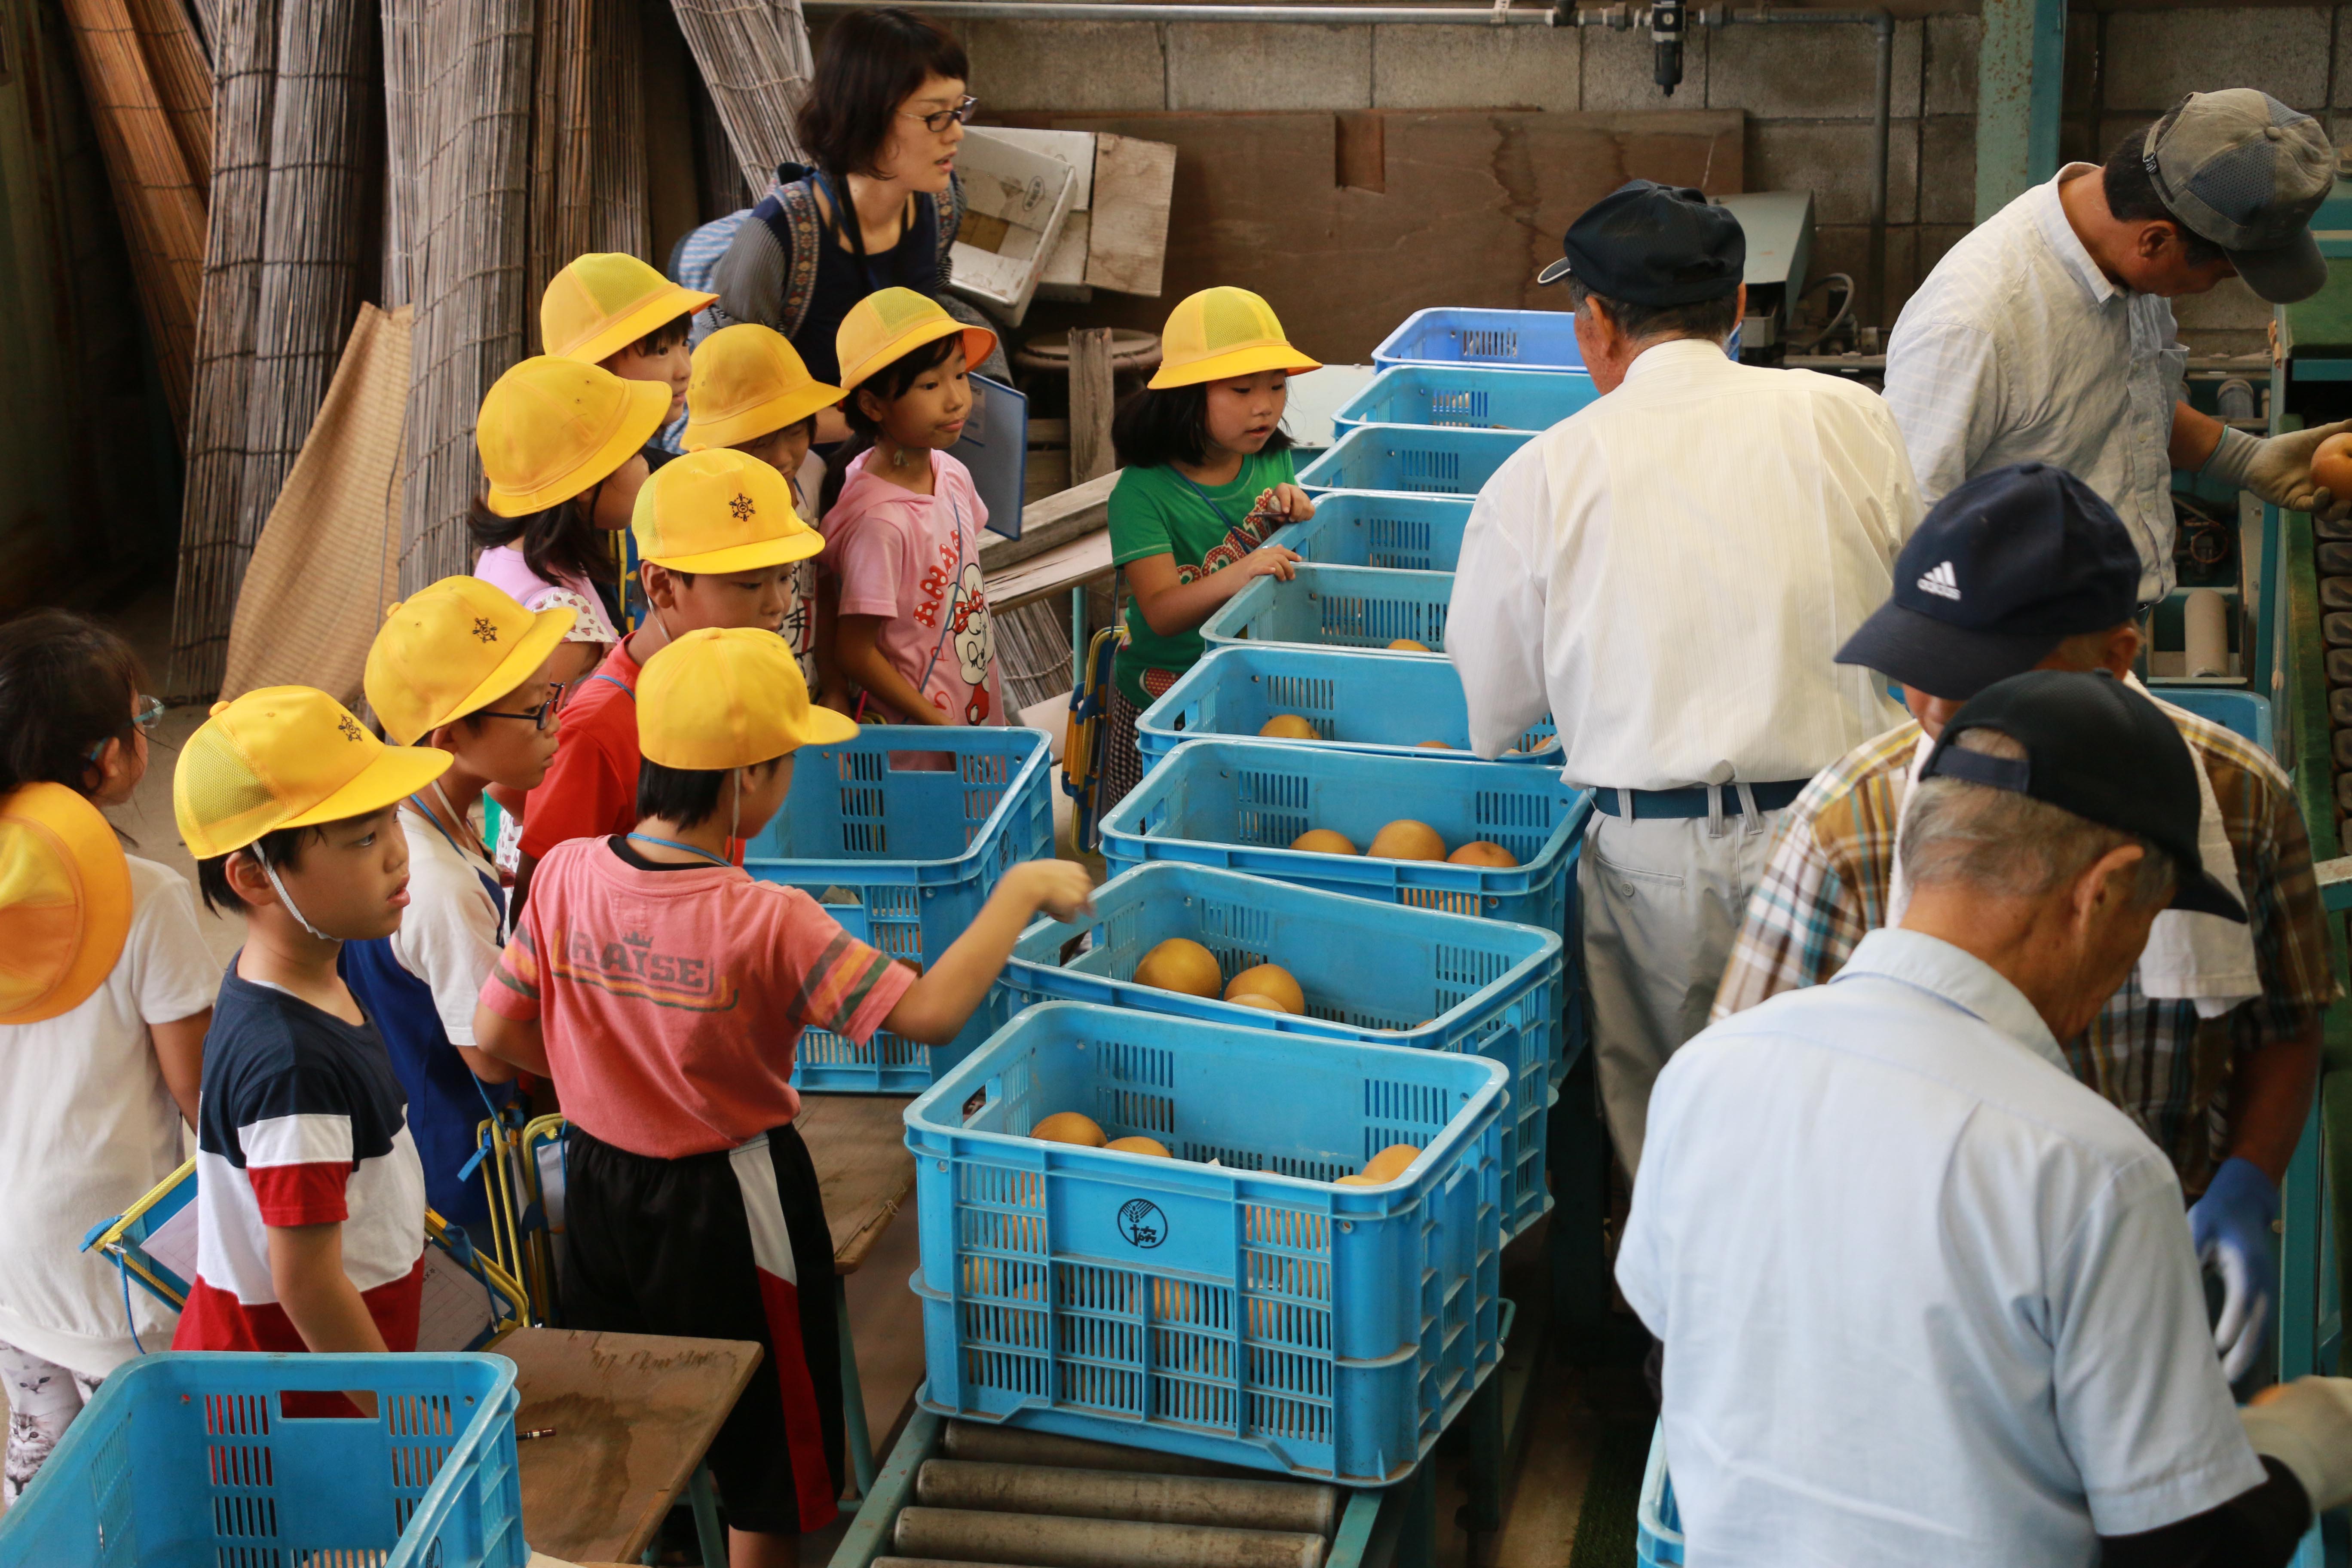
(948, 213)
(790, 213)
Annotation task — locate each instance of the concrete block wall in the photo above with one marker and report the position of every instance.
(1806, 92)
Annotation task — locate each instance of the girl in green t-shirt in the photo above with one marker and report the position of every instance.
(1206, 475)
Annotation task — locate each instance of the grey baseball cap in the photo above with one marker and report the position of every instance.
(2246, 171)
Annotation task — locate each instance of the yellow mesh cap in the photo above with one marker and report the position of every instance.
(287, 756)
(549, 428)
(727, 698)
(452, 648)
(721, 511)
(749, 382)
(891, 324)
(604, 301)
(65, 902)
(1222, 333)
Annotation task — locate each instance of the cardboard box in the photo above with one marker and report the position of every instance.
(1016, 202)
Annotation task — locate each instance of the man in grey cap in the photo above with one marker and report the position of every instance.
(2046, 335)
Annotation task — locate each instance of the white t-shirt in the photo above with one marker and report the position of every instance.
(88, 1127)
(448, 935)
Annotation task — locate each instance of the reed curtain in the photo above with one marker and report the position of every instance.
(754, 58)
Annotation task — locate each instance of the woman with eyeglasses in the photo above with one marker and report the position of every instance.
(880, 206)
(92, 1096)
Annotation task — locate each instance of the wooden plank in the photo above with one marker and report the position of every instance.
(1091, 398)
(633, 1415)
(864, 1173)
(1081, 561)
(1127, 249)
(1052, 522)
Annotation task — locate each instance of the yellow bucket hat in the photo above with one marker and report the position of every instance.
(604, 301)
(721, 511)
(287, 756)
(891, 324)
(1220, 333)
(727, 698)
(65, 902)
(748, 381)
(549, 427)
(451, 648)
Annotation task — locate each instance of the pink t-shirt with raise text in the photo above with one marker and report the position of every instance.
(915, 562)
(672, 1001)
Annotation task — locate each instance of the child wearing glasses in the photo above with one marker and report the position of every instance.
(463, 668)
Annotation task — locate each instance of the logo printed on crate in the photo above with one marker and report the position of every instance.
(1142, 1223)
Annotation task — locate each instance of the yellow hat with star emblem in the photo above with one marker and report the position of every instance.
(719, 510)
(454, 649)
(287, 756)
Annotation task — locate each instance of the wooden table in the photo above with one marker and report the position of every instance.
(858, 1144)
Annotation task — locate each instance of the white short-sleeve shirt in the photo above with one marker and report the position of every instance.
(1924, 1297)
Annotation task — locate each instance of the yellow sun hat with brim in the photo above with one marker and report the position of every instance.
(452, 648)
(1220, 334)
(727, 698)
(721, 511)
(549, 428)
(888, 324)
(604, 301)
(749, 382)
(65, 901)
(287, 756)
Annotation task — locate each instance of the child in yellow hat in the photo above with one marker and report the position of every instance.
(613, 310)
(462, 668)
(903, 520)
(1206, 475)
(106, 988)
(666, 991)
(310, 1199)
(716, 536)
(751, 391)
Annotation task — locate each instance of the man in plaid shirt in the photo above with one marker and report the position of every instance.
(2212, 1049)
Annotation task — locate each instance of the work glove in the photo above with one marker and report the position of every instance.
(2278, 468)
(2231, 1228)
(2307, 1426)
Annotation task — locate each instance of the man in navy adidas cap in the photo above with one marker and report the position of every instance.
(2026, 568)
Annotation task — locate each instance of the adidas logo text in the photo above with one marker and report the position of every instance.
(1941, 581)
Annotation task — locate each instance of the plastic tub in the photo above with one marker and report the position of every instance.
(1467, 396)
(1374, 702)
(1380, 973)
(1252, 1310)
(902, 834)
(1458, 334)
(1365, 528)
(1658, 1525)
(1411, 459)
(1337, 606)
(186, 1459)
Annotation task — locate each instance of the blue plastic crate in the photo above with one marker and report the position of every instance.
(1375, 973)
(1411, 459)
(1375, 702)
(902, 834)
(186, 1459)
(1238, 805)
(1364, 527)
(1337, 606)
(1658, 1525)
(2246, 714)
(1250, 1311)
(1458, 334)
(1469, 396)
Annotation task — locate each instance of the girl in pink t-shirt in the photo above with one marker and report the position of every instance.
(902, 520)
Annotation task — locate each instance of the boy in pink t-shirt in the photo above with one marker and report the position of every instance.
(665, 993)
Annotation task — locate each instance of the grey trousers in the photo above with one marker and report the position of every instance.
(1662, 901)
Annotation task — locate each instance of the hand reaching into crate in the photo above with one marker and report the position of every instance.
(937, 1007)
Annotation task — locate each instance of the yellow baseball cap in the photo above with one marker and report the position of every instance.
(549, 427)
(287, 756)
(604, 301)
(1220, 334)
(450, 648)
(65, 902)
(727, 698)
(719, 510)
(891, 324)
(749, 382)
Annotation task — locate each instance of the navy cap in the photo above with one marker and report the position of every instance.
(2000, 572)
(1648, 244)
(2095, 747)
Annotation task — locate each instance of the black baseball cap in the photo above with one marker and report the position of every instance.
(2095, 747)
(1648, 244)
(1999, 573)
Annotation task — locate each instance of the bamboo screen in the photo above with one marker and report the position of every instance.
(754, 58)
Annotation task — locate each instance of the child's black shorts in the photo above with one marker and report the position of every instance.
(724, 1246)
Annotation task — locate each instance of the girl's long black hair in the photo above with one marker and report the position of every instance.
(65, 688)
(1154, 429)
(561, 542)
(890, 383)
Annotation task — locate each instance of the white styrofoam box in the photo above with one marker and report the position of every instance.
(1065, 277)
(1017, 202)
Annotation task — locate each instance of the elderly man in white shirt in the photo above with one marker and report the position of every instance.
(1924, 1298)
(1671, 572)
(2046, 335)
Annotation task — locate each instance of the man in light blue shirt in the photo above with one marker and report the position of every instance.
(1923, 1296)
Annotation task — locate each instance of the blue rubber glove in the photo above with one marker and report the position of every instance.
(2231, 1228)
